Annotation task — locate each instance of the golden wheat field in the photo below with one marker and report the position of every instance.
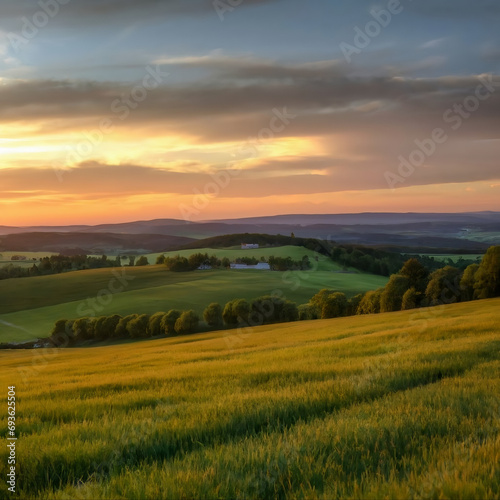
(400, 405)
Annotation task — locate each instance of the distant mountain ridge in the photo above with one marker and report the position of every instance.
(471, 231)
(91, 243)
(368, 218)
(106, 228)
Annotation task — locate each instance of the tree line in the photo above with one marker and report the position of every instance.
(266, 309)
(369, 259)
(179, 263)
(55, 264)
(412, 287)
(366, 259)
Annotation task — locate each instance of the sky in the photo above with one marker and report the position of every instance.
(118, 110)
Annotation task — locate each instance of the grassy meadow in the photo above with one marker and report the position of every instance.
(6, 258)
(490, 237)
(455, 257)
(29, 307)
(400, 405)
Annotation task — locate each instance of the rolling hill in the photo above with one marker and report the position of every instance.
(400, 405)
(471, 232)
(90, 243)
(30, 306)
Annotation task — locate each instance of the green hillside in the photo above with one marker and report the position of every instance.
(30, 306)
(401, 405)
(296, 253)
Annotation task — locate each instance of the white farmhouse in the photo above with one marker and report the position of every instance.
(263, 266)
(204, 267)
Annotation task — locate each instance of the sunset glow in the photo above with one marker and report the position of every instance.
(143, 123)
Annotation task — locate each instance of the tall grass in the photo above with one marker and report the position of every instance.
(363, 407)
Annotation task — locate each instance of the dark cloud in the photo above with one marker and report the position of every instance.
(47, 99)
(109, 10)
(253, 68)
(377, 117)
(371, 121)
(80, 13)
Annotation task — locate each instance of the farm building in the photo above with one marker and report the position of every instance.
(249, 246)
(204, 267)
(263, 266)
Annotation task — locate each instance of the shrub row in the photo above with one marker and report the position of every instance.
(170, 323)
(263, 310)
(413, 286)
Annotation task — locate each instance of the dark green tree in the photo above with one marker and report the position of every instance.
(214, 262)
(84, 329)
(307, 312)
(236, 312)
(488, 275)
(100, 332)
(187, 323)
(139, 327)
(110, 325)
(168, 322)
(34, 271)
(177, 264)
(468, 282)
(353, 304)
(154, 326)
(370, 303)
(417, 274)
(334, 306)
(318, 300)
(392, 296)
(444, 286)
(59, 327)
(197, 259)
(289, 312)
(213, 315)
(121, 330)
(409, 299)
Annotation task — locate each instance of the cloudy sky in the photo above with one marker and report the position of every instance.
(115, 110)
